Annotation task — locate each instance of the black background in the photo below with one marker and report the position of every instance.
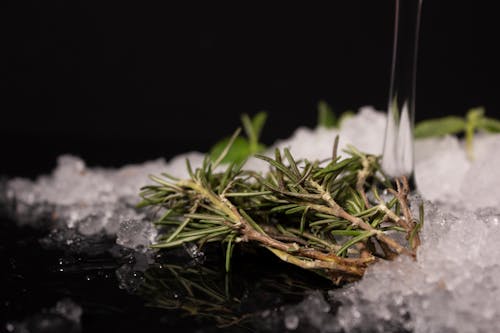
(121, 82)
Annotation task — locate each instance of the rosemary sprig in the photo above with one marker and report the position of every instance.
(317, 217)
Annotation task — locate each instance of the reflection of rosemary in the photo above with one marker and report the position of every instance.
(192, 290)
(205, 293)
(314, 215)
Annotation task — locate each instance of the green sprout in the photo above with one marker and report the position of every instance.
(473, 122)
(242, 148)
(328, 119)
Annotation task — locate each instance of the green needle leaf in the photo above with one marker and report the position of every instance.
(346, 232)
(226, 148)
(283, 207)
(303, 220)
(354, 240)
(229, 252)
(279, 166)
(291, 161)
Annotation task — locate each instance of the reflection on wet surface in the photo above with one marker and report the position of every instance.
(114, 287)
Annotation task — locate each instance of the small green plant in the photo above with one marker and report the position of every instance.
(242, 148)
(328, 119)
(316, 215)
(475, 120)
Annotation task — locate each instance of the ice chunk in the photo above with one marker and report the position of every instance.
(309, 144)
(444, 173)
(91, 200)
(136, 234)
(364, 131)
(453, 286)
(441, 165)
(481, 185)
(194, 252)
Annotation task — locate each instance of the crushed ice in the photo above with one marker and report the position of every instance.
(91, 200)
(453, 287)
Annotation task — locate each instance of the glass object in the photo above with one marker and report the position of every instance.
(398, 152)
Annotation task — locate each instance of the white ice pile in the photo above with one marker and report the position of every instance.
(92, 200)
(454, 286)
(443, 172)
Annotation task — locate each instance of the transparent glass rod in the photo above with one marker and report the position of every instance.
(398, 152)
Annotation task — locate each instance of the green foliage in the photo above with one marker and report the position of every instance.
(490, 125)
(242, 148)
(439, 127)
(314, 215)
(473, 121)
(326, 116)
(239, 152)
(253, 128)
(328, 119)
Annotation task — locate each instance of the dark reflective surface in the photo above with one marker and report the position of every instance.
(120, 290)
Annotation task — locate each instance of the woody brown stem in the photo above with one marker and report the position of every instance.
(401, 193)
(287, 251)
(363, 174)
(336, 210)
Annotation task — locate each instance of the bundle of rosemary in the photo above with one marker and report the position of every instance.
(324, 216)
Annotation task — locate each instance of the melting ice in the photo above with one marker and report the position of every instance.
(453, 287)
